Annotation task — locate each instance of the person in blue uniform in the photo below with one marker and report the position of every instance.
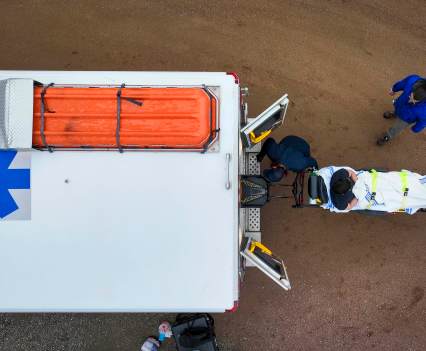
(409, 107)
(291, 153)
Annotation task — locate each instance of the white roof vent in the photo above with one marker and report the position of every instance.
(16, 113)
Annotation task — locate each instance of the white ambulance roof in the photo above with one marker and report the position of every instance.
(138, 231)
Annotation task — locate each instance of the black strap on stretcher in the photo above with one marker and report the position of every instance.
(133, 101)
(44, 107)
(117, 130)
(119, 98)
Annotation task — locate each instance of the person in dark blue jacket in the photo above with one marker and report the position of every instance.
(409, 107)
(291, 153)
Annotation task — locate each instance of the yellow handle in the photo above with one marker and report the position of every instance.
(262, 136)
(264, 249)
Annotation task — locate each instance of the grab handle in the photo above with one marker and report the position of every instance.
(256, 139)
(228, 165)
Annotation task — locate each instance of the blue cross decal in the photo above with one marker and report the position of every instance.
(10, 179)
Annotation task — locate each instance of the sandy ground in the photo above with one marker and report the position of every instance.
(358, 282)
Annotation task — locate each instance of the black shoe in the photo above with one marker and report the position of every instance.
(388, 115)
(259, 157)
(383, 140)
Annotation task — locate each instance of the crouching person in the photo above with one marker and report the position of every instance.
(292, 153)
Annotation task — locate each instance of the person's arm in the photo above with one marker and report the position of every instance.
(311, 162)
(419, 126)
(352, 204)
(352, 175)
(400, 85)
(419, 116)
(350, 170)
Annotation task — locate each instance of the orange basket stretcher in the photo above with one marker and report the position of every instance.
(124, 118)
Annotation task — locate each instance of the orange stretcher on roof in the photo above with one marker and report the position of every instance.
(123, 118)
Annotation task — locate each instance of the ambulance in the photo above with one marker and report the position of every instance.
(121, 191)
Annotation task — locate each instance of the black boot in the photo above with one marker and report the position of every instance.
(388, 115)
(261, 155)
(383, 140)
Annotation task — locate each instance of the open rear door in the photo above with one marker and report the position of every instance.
(261, 126)
(263, 258)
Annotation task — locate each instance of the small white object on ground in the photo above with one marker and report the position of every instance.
(150, 344)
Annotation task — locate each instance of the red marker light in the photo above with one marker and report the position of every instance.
(235, 75)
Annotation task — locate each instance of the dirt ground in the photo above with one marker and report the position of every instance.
(358, 281)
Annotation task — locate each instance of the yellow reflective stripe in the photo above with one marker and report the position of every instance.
(373, 173)
(404, 182)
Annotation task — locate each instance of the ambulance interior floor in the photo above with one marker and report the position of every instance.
(358, 281)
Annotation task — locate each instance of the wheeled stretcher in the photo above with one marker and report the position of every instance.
(257, 191)
(375, 190)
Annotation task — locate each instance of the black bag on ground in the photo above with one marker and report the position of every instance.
(194, 332)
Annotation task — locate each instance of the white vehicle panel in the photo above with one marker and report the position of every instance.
(138, 231)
